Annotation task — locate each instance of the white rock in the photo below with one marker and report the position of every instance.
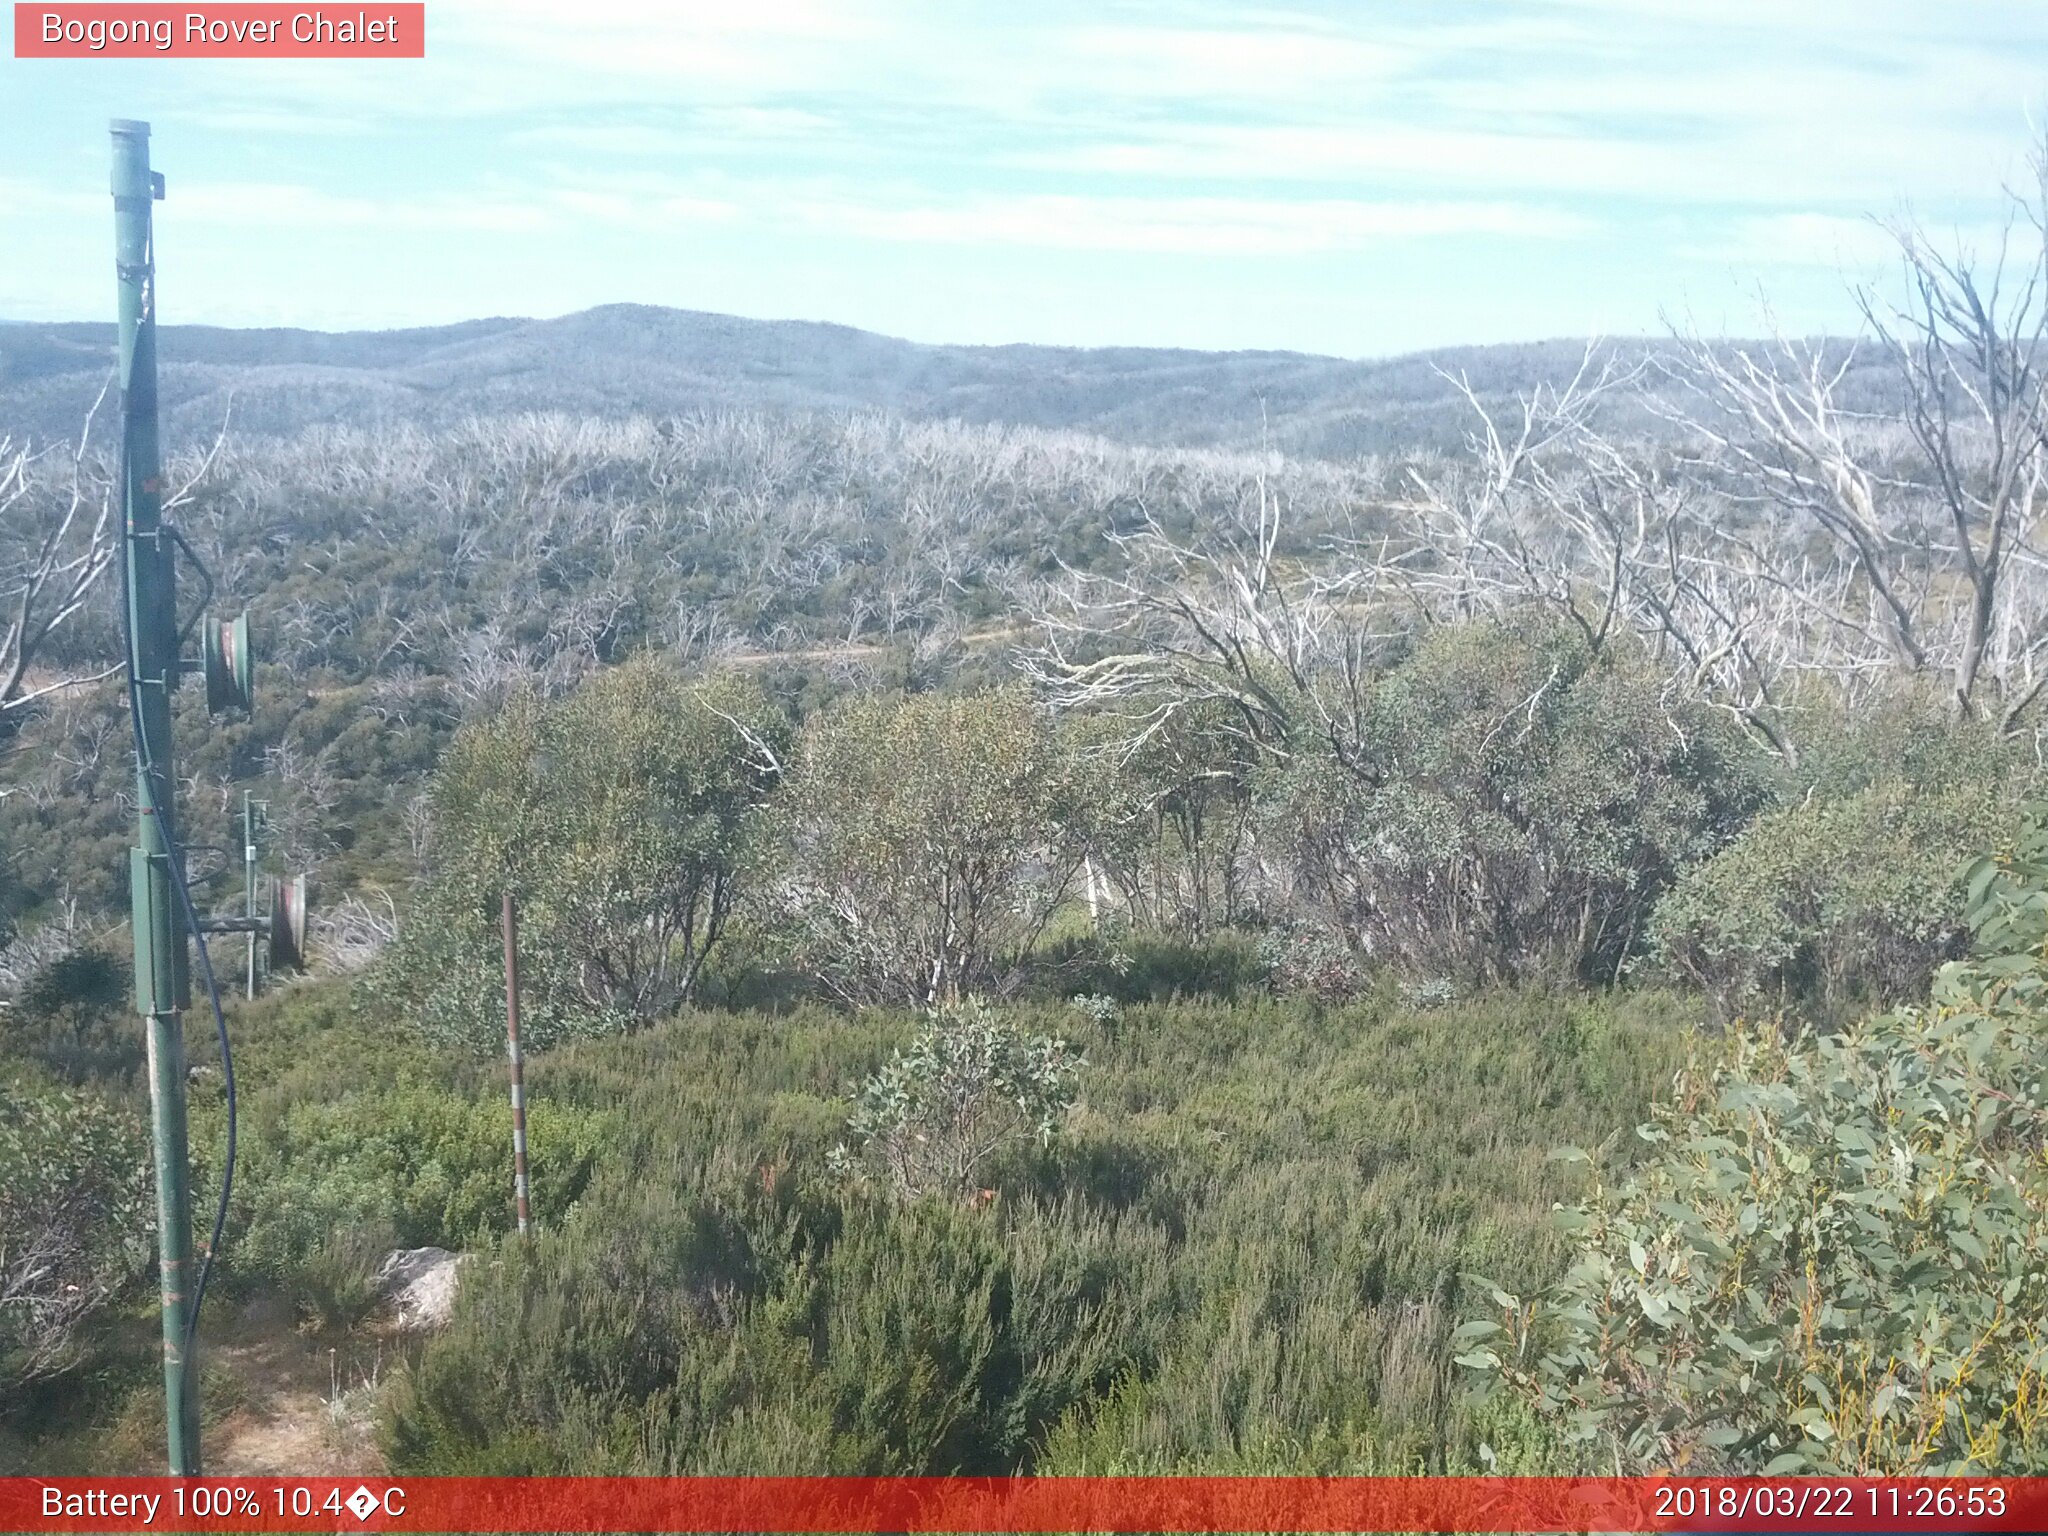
(420, 1284)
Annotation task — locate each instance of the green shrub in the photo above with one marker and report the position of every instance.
(75, 1020)
(1513, 806)
(971, 1084)
(599, 1344)
(1829, 901)
(1833, 1262)
(927, 843)
(759, 1329)
(414, 1165)
(1310, 959)
(1242, 1251)
(75, 1220)
(1168, 816)
(336, 1284)
(1905, 734)
(1133, 966)
(906, 1335)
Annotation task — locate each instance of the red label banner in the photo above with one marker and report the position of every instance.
(236, 31)
(1029, 1504)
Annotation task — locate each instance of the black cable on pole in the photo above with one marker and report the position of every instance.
(172, 851)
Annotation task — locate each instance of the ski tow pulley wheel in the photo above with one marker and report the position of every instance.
(230, 669)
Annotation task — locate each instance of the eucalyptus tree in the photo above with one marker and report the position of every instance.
(623, 818)
(927, 842)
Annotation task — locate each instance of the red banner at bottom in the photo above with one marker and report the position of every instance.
(1026, 1504)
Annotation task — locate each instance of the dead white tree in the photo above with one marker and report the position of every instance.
(56, 541)
(1929, 509)
(1968, 348)
(1548, 511)
(1499, 523)
(355, 930)
(1230, 617)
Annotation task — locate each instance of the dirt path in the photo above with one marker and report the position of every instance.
(304, 1407)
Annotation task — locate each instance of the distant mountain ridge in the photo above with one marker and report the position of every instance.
(629, 359)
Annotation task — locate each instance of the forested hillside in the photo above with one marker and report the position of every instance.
(636, 360)
(1068, 942)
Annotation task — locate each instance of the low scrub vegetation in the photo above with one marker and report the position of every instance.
(1244, 1241)
(74, 1222)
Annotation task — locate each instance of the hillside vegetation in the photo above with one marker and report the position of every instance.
(627, 360)
(1044, 952)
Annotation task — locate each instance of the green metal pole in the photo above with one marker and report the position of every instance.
(161, 986)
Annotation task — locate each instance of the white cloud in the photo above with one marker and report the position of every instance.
(651, 205)
(278, 205)
(271, 123)
(1165, 225)
(655, 210)
(21, 199)
(1216, 64)
(727, 52)
(1854, 247)
(1797, 160)
(1186, 225)
(1305, 152)
(620, 140)
(1847, 245)
(1837, 23)
(1740, 101)
(707, 128)
(762, 122)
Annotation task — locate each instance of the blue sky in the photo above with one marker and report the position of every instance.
(1358, 179)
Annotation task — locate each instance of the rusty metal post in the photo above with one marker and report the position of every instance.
(519, 1187)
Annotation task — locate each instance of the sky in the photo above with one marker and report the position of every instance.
(1358, 179)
